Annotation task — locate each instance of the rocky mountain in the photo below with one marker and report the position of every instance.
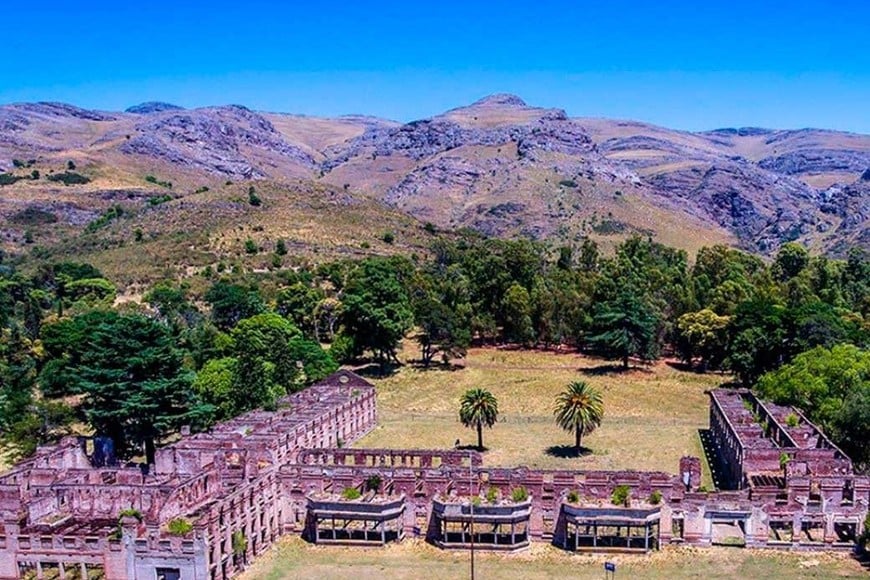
(498, 165)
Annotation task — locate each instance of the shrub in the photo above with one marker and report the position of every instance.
(251, 246)
(18, 164)
(492, 495)
(475, 501)
(155, 181)
(792, 420)
(519, 494)
(130, 513)
(783, 460)
(388, 237)
(34, 175)
(373, 483)
(202, 189)
(8, 178)
(156, 200)
(113, 213)
(240, 543)
(430, 228)
(621, 495)
(70, 165)
(568, 183)
(351, 493)
(655, 498)
(28, 237)
(138, 235)
(365, 245)
(277, 261)
(253, 198)
(281, 248)
(179, 527)
(572, 497)
(69, 178)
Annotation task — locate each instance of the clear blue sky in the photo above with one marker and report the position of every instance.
(690, 65)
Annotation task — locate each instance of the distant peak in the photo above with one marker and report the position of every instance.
(152, 107)
(500, 99)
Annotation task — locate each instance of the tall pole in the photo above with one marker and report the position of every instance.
(471, 511)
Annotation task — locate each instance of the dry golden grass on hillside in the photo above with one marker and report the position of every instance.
(414, 559)
(652, 415)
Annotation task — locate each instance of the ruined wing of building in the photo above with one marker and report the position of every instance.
(214, 501)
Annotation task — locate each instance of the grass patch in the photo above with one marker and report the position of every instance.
(651, 415)
(412, 559)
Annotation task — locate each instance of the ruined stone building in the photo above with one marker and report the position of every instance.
(214, 501)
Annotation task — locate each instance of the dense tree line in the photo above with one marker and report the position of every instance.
(137, 373)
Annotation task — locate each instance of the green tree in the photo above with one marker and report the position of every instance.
(703, 335)
(376, 307)
(298, 303)
(832, 386)
(626, 327)
(136, 388)
(266, 367)
(757, 338)
(478, 408)
(215, 386)
(230, 303)
(517, 313)
(790, 261)
(579, 409)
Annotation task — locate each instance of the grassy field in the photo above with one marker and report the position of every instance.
(651, 415)
(412, 559)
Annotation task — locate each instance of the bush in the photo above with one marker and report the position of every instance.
(138, 235)
(572, 497)
(240, 543)
(281, 248)
(130, 513)
(253, 198)
(18, 164)
(492, 495)
(202, 189)
(9, 179)
(792, 420)
(655, 498)
(519, 494)
(430, 228)
(783, 460)
(621, 495)
(34, 175)
(388, 237)
(69, 178)
(156, 200)
(155, 181)
(568, 183)
(251, 246)
(373, 483)
(351, 493)
(70, 165)
(179, 527)
(113, 213)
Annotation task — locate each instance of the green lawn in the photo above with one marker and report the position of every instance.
(651, 417)
(413, 559)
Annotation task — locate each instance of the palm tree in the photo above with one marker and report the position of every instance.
(478, 408)
(579, 409)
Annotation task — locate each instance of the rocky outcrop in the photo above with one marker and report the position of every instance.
(152, 107)
(816, 161)
(219, 140)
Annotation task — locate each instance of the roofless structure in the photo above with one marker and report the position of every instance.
(214, 501)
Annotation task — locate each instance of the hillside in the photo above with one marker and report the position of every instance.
(336, 185)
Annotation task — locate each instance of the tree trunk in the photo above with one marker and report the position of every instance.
(149, 450)
(577, 437)
(480, 436)
(625, 361)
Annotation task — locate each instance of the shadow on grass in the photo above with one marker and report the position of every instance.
(863, 558)
(483, 449)
(567, 451)
(418, 365)
(611, 369)
(374, 370)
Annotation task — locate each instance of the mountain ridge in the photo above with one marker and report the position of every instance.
(496, 165)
